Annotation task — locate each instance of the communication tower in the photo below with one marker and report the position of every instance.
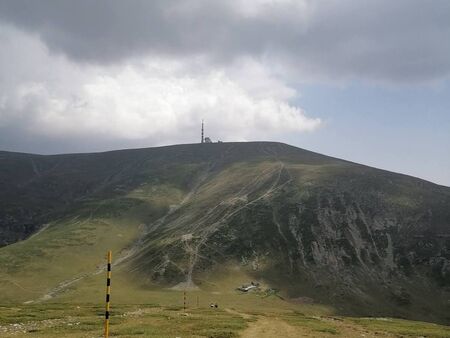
(203, 139)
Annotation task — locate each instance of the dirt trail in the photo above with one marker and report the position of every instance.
(270, 327)
(266, 327)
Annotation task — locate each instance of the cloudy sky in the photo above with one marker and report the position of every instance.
(368, 81)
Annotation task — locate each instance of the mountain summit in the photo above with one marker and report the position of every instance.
(201, 216)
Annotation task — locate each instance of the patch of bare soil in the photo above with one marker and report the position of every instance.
(243, 315)
(266, 327)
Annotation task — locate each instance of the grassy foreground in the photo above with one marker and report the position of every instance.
(147, 320)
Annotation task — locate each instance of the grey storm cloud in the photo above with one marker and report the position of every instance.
(383, 40)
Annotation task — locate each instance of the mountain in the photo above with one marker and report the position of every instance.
(210, 216)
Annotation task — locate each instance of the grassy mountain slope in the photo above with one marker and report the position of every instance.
(212, 216)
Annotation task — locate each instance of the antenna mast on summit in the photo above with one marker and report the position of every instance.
(203, 139)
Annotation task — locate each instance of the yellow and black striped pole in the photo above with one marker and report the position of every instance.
(108, 293)
(184, 300)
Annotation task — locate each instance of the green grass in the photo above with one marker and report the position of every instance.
(404, 327)
(312, 323)
(56, 320)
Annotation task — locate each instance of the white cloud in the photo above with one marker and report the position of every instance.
(151, 98)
